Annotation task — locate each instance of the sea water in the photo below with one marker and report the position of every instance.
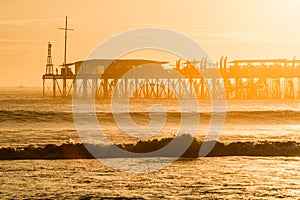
(28, 119)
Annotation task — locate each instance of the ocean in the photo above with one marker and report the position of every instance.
(256, 156)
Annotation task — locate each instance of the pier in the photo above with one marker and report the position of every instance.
(202, 79)
(241, 79)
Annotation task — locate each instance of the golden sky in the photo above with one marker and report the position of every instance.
(236, 28)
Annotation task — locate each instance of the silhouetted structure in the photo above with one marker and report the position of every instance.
(241, 79)
(49, 65)
(66, 70)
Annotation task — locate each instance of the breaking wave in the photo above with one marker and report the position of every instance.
(79, 150)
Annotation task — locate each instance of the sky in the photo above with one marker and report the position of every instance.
(239, 29)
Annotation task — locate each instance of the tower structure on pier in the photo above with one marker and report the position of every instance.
(49, 65)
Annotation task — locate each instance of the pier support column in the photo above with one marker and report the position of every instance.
(43, 87)
(180, 88)
(213, 88)
(54, 87)
(64, 84)
(105, 88)
(125, 91)
(84, 87)
(226, 87)
(202, 88)
(74, 87)
(94, 87)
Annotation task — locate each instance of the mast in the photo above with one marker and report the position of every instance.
(65, 58)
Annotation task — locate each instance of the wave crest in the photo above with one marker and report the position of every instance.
(79, 151)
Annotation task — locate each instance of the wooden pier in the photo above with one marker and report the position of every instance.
(239, 79)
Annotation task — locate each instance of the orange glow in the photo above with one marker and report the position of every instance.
(239, 29)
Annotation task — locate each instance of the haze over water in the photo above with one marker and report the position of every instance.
(28, 119)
